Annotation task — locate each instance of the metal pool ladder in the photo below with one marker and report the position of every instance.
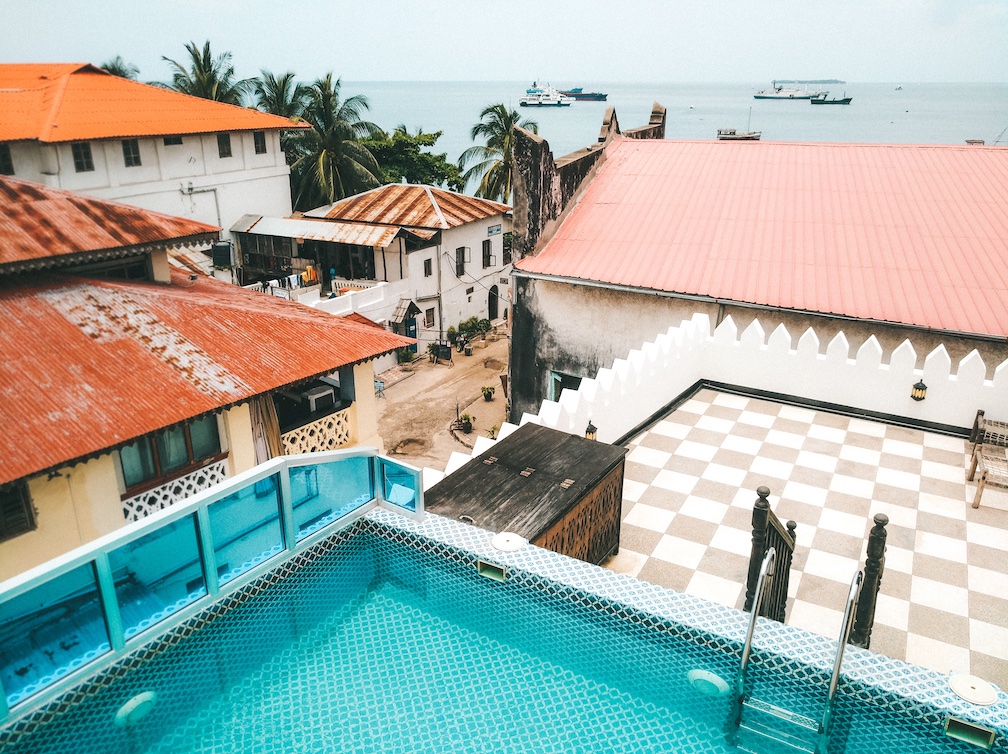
(754, 722)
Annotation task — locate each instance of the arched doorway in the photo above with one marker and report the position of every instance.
(492, 303)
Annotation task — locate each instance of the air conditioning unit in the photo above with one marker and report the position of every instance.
(320, 398)
(220, 253)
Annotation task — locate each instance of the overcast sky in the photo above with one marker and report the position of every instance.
(572, 40)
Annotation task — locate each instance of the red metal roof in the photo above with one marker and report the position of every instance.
(410, 205)
(39, 223)
(908, 234)
(89, 364)
(59, 102)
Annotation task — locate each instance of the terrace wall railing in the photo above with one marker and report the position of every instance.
(770, 534)
(87, 609)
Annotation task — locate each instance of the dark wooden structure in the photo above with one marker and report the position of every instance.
(874, 566)
(768, 531)
(557, 490)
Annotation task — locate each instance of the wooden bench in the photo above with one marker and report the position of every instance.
(990, 454)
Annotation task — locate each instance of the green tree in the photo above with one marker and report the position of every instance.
(493, 160)
(402, 155)
(119, 67)
(332, 160)
(208, 77)
(280, 95)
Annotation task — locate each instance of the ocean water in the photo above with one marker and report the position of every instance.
(878, 113)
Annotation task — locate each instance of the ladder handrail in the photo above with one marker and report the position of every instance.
(766, 569)
(845, 629)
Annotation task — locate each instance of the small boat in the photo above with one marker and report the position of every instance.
(835, 101)
(787, 92)
(899, 88)
(545, 96)
(730, 134)
(578, 93)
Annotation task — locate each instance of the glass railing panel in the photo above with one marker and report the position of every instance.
(157, 575)
(325, 492)
(246, 528)
(399, 485)
(50, 631)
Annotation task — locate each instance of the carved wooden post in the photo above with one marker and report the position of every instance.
(874, 565)
(760, 514)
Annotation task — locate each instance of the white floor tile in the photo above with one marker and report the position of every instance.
(705, 510)
(864, 427)
(936, 655)
(746, 499)
(787, 439)
(860, 455)
(714, 588)
(679, 551)
(731, 401)
(944, 442)
(816, 461)
(696, 450)
(771, 468)
(944, 471)
(951, 599)
(673, 480)
(756, 419)
(694, 406)
(850, 485)
(898, 515)
(893, 612)
(984, 581)
(804, 493)
(649, 456)
(739, 444)
(797, 413)
(649, 517)
(633, 490)
(637, 439)
(627, 562)
(988, 536)
(732, 540)
(897, 559)
(829, 566)
(712, 423)
(671, 429)
(902, 479)
(819, 620)
(941, 506)
(905, 449)
(844, 523)
(939, 546)
(988, 638)
(829, 434)
(724, 474)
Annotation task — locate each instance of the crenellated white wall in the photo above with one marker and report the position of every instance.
(633, 389)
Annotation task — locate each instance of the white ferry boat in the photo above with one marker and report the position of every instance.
(544, 96)
(788, 92)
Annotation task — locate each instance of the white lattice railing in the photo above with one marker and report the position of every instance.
(175, 491)
(328, 433)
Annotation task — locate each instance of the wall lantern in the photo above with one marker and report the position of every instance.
(919, 391)
(591, 431)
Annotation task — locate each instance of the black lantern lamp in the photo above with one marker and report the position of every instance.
(918, 391)
(591, 431)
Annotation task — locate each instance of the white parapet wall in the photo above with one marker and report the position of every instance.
(635, 388)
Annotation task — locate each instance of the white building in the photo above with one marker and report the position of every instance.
(74, 126)
(418, 259)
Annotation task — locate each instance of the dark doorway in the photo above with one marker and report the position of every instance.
(411, 332)
(492, 303)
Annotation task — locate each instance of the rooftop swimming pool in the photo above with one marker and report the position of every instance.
(378, 632)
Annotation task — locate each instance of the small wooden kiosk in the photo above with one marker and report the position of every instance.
(557, 490)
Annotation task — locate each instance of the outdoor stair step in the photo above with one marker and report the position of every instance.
(765, 727)
(758, 705)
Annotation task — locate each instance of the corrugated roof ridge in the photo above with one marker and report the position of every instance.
(437, 208)
(47, 125)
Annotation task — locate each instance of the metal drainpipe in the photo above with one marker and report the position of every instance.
(440, 311)
(189, 191)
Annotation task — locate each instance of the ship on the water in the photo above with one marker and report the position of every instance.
(787, 92)
(581, 95)
(544, 96)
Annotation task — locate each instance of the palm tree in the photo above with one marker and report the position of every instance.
(280, 95)
(332, 161)
(493, 161)
(208, 77)
(119, 67)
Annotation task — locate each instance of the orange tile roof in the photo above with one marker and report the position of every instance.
(60, 102)
(410, 206)
(362, 320)
(40, 226)
(89, 364)
(907, 234)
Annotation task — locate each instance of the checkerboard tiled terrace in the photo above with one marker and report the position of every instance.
(688, 496)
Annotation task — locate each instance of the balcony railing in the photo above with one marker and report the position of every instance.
(175, 491)
(329, 432)
(85, 610)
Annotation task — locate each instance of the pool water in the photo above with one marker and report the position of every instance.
(375, 646)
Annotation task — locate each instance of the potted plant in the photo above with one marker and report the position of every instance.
(432, 352)
(488, 391)
(467, 423)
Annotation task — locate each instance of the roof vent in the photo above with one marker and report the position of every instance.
(566, 483)
(528, 471)
(490, 460)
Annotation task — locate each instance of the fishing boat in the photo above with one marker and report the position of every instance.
(579, 94)
(787, 92)
(835, 101)
(730, 134)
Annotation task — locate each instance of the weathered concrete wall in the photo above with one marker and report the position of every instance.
(544, 188)
(579, 329)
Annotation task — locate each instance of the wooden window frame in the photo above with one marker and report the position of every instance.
(6, 160)
(83, 159)
(259, 140)
(20, 497)
(161, 477)
(131, 153)
(224, 146)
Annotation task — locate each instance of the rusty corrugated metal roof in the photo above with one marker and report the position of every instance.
(320, 230)
(411, 206)
(90, 364)
(39, 224)
(908, 234)
(60, 102)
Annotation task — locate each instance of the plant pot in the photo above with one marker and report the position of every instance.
(488, 397)
(468, 350)
(467, 427)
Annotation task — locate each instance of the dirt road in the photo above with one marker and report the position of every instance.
(415, 416)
